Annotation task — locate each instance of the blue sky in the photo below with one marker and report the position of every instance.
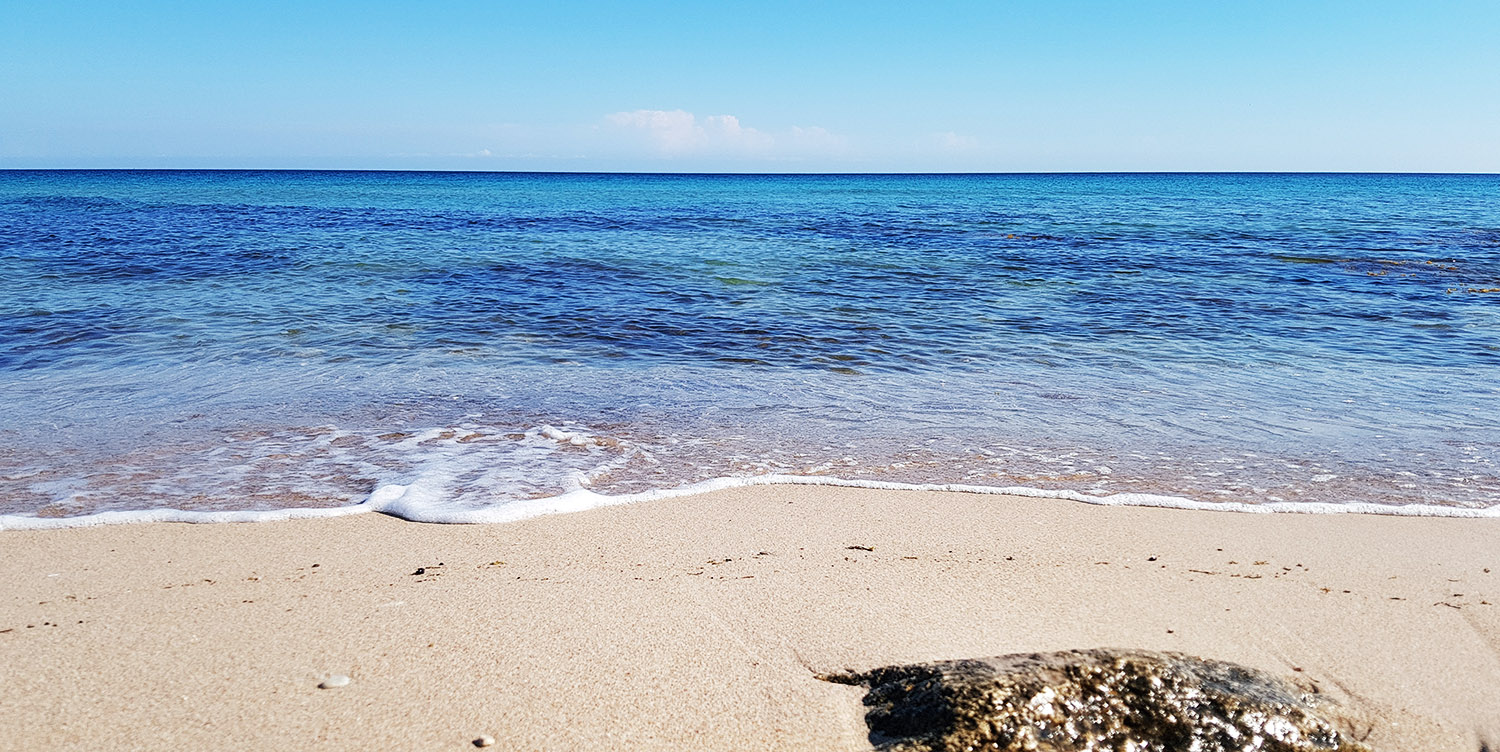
(770, 86)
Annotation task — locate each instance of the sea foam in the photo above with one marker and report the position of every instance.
(418, 504)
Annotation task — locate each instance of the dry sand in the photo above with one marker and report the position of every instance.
(699, 623)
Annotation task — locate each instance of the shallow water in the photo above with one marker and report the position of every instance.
(263, 340)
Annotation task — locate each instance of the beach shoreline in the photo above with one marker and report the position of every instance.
(701, 621)
(400, 501)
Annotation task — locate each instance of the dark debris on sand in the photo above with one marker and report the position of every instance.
(1093, 701)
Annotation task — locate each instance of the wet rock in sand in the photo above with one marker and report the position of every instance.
(337, 680)
(1091, 701)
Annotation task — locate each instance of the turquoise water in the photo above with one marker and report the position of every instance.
(262, 340)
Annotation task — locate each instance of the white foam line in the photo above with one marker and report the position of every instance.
(417, 506)
(21, 522)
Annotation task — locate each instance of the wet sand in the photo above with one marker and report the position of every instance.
(701, 622)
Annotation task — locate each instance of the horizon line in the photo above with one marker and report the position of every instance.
(747, 174)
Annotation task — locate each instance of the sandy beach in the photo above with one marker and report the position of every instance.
(702, 622)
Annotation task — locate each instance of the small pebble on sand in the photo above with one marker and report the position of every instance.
(337, 680)
(484, 740)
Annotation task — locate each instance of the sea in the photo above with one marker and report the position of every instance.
(474, 347)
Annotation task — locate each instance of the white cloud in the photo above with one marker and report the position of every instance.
(675, 133)
(727, 129)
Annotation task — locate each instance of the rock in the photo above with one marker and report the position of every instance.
(337, 680)
(1088, 700)
(484, 740)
